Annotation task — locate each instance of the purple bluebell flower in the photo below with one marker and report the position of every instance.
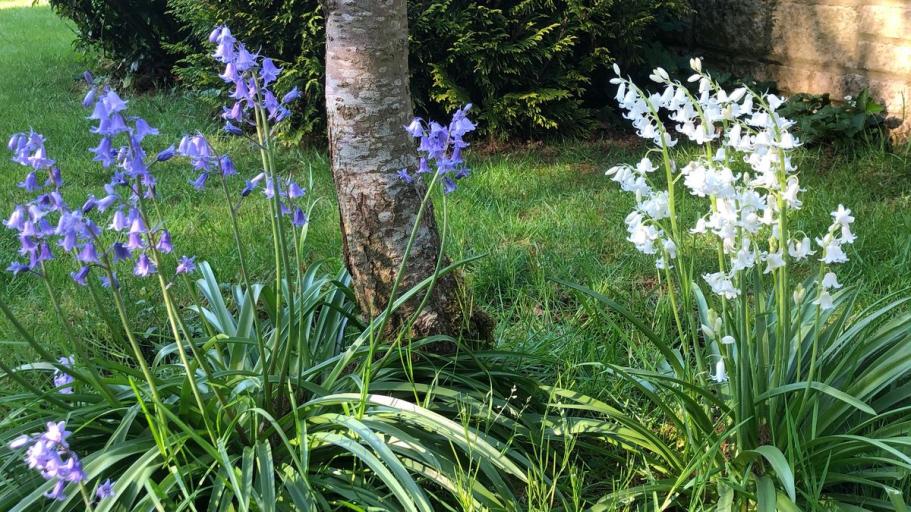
(81, 276)
(164, 242)
(144, 266)
(104, 152)
(120, 252)
(89, 204)
(253, 184)
(16, 218)
(119, 222)
(291, 95)
(268, 71)
(88, 254)
(30, 183)
(244, 60)
(106, 281)
(137, 225)
(89, 97)
(232, 129)
(443, 146)
(299, 218)
(49, 454)
(200, 182)
(423, 167)
(217, 33)
(241, 91)
(198, 150)
(404, 176)
(186, 265)
(294, 190)
(57, 491)
(55, 178)
(415, 128)
(107, 201)
(28, 150)
(105, 490)
(225, 51)
(45, 253)
(235, 113)
(227, 166)
(230, 73)
(68, 241)
(63, 380)
(16, 268)
(134, 242)
(113, 103)
(142, 129)
(166, 154)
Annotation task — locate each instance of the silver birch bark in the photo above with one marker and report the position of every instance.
(368, 103)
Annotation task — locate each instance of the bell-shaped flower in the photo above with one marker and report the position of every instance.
(144, 266)
(186, 265)
(720, 375)
(164, 242)
(830, 281)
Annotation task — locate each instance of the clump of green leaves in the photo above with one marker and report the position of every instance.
(822, 121)
(532, 66)
(132, 35)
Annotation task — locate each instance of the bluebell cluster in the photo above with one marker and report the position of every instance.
(441, 146)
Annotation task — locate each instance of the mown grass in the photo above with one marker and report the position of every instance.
(537, 212)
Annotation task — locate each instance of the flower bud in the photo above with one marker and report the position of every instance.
(166, 154)
(799, 293)
(232, 129)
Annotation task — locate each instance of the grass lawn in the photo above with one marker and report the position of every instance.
(537, 212)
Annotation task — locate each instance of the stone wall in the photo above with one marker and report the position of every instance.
(834, 46)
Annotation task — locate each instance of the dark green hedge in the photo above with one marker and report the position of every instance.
(532, 67)
(133, 34)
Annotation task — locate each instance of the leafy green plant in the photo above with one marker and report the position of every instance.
(531, 66)
(447, 427)
(771, 392)
(820, 120)
(134, 35)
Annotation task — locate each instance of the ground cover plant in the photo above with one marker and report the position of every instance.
(539, 213)
(779, 391)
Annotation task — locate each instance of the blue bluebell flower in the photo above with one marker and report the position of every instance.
(120, 252)
(105, 490)
(232, 129)
(62, 380)
(144, 266)
(227, 166)
(186, 265)
(268, 71)
(164, 242)
(442, 146)
(50, 455)
(299, 218)
(81, 275)
(294, 190)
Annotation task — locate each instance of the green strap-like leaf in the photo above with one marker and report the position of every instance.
(781, 467)
(818, 386)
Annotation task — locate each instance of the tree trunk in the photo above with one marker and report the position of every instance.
(368, 103)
